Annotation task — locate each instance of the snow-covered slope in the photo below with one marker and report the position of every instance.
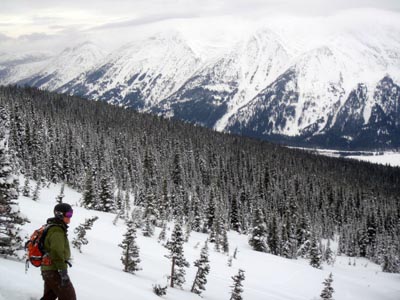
(97, 272)
(64, 67)
(139, 74)
(14, 67)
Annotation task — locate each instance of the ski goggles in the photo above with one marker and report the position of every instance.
(69, 214)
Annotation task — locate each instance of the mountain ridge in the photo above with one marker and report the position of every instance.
(162, 74)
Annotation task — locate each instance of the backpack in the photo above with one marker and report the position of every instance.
(35, 253)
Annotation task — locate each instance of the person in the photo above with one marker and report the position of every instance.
(57, 284)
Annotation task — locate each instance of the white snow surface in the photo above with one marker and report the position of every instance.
(97, 272)
(388, 158)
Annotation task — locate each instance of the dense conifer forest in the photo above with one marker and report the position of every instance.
(286, 200)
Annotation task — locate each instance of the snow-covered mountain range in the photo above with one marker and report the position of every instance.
(344, 91)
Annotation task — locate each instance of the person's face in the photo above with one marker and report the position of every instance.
(67, 217)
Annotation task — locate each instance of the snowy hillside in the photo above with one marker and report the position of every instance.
(97, 272)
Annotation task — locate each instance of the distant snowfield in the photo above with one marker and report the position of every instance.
(97, 272)
(389, 158)
(384, 158)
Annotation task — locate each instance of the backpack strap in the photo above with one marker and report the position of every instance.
(43, 237)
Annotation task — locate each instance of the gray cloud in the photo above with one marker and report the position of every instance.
(53, 23)
(144, 20)
(3, 37)
(202, 6)
(34, 37)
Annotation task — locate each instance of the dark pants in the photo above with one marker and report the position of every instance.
(53, 289)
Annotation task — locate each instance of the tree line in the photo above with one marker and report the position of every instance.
(284, 199)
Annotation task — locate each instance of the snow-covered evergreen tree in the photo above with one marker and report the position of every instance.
(258, 235)
(36, 192)
(163, 233)
(234, 215)
(219, 235)
(303, 235)
(130, 254)
(315, 254)
(160, 290)
(225, 242)
(119, 201)
(89, 192)
(237, 288)
(390, 258)
(106, 195)
(26, 190)
(149, 214)
(179, 263)
(60, 197)
(203, 268)
(197, 214)
(80, 231)
(10, 218)
(328, 290)
(328, 254)
(273, 237)
(127, 205)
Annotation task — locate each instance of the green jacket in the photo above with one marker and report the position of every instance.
(56, 245)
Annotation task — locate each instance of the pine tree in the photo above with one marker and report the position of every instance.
(130, 254)
(119, 201)
(60, 197)
(315, 254)
(10, 218)
(273, 237)
(26, 191)
(225, 242)
(127, 205)
(234, 215)
(106, 195)
(175, 247)
(237, 288)
(303, 235)
(390, 258)
(160, 290)
(150, 214)
(258, 235)
(203, 268)
(327, 292)
(163, 233)
(210, 213)
(81, 231)
(35, 196)
(219, 235)
(89, 192)
(328, 254)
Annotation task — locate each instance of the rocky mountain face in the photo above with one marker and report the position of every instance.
(227, 82)
(343, 93)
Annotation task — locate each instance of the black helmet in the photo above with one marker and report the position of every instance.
(61, 209)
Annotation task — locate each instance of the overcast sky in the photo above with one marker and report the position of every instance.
(41, 20)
